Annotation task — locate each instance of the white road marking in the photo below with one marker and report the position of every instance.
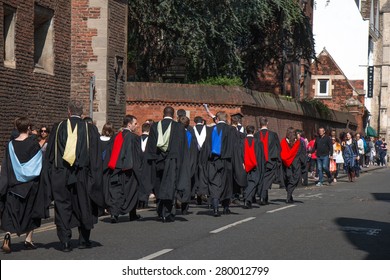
(232, 225)
(318, 195)
(157, 254)
(279, 209)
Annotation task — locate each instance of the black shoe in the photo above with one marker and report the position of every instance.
(226, 211)
(168, 219)
(184, 208)
(247, 204)
(29, 245)
(199, 200)
(66, 247)
(134, 217)
(289, 201)
(263, 202)
(85, 245)
(114, 219)
(6, 243)
(330, 180)
(216, 213)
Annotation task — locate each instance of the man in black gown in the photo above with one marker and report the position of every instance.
(222, 143)
(271, 146)
(164, 155)
(124, 172)
(73, 170)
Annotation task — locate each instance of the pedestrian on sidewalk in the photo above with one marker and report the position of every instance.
(337, 158)
(351, 156)
(324, 149)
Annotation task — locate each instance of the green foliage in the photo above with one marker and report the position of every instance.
(230, 38)
(222, 81)
(320, 107)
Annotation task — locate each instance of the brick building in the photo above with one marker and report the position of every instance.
(35, 62)
(293, 79)
(330, 85)
(99, 51)
(56, 49)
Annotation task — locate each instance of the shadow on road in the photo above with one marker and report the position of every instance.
(382, 196)
(367, 235)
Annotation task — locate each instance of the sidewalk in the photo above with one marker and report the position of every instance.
(342, 174)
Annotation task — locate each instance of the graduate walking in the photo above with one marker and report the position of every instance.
(271, 146)
(293, 156)
(220, 163)
(74, 174)
(164, 155)
(22, 203)
(254, 161)
(123, 171)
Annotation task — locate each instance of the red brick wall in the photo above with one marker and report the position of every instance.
(117, 36)
(42, 97)
(82, 51)
(147, 101)
(154, 111)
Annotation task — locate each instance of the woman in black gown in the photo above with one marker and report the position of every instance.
(21, 199)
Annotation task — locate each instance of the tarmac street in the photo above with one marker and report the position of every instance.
(346, 221)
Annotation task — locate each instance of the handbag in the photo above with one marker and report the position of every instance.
(339, 158)
(332, 166)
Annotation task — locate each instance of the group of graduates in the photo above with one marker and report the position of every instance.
(171, 159)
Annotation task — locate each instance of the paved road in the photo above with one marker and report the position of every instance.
(341, 221)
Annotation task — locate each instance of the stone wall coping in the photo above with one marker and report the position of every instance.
(228, 96)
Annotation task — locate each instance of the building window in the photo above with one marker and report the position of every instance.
(9, 36)
(323, 88)
(43, 40)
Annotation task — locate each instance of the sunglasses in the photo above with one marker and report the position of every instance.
(43, 130)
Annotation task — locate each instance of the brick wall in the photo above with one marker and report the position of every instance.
(147, 101)
(117, 36)
(82, 51)
(42, 97)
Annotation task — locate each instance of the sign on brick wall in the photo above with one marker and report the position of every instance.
(370, 81)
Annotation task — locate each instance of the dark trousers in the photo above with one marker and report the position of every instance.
(253, 178)
(73, 208)
(269, 178)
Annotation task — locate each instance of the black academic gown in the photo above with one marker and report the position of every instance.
(255, 176)
(22, 205)
(76, 190)
(220, 168)
(201, 174)
(272, 165)
(121, 184)
(164, 167)
(187, 176)
(292, 175)
(143, 192)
